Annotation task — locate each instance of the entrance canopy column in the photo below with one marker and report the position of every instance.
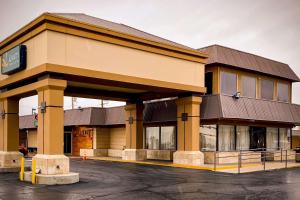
(9, 133)
(134, 132)
(50, 160)
(188, 127)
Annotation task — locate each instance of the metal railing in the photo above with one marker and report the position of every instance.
(259, 156)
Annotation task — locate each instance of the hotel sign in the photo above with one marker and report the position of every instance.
(13, 60)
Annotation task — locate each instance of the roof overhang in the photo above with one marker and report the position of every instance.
(226, 108)
(48, 21)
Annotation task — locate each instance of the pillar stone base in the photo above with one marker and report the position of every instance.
(10, 160)
(192, 158)
(134, 154)
(53, 170)
(52, 164)
(58, 179)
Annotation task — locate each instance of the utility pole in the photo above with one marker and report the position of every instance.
(74, 102)
(101, 103)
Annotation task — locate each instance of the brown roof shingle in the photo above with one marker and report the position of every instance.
(228, 56)
(226, 107)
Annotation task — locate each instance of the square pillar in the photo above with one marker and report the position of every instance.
(51, 162)
(50, 135)
(134, 132)
(188, 127)
(9, 134)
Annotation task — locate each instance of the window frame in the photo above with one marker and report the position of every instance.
(288, 92)
(159, 137)
(241, 85)
(260, 87)
(236, 81)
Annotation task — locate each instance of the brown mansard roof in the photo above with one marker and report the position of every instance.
(122, 28)
(84, 117)
(248, 109)
(228, 56)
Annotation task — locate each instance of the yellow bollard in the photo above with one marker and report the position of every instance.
(33, 174)
(22, 169)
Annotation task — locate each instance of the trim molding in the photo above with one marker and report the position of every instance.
(56, 23)
(40, 85)
(99, 75)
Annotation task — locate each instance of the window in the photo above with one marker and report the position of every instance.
(272, 138)
(248, 84)
(228, 83)
(209, 82)
(284, 138)
(226, 138)
(168, 139)
(160, 138)
(152, 138)
(208, 137)
(267, 89)
(283, 92)
(242, 138)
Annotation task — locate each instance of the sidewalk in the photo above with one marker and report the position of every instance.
(251, 167)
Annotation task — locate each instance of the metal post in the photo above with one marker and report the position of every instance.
(215, 160)
(281, 153)
(239, 162)
(286, 157)
(264, 155)
(22, 169)
(33, 174)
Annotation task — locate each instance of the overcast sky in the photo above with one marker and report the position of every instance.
(270, 28)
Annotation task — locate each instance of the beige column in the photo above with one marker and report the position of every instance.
(50, 160)
(9, 133)
(51, 121)
(188, 127)
(134, 132)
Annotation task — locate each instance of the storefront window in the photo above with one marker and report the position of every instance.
(208, 137)
(248, 86)
(226, 138)
(152, 138)
(228, 83)
(267, 89)
(283, 92)
(284, 138)
(242, 138)
(272, 138)
(168, 139)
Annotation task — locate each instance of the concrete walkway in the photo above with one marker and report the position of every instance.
(249, 167)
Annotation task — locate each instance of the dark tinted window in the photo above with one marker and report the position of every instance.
(248, 86)
(228, 83)
(209, 82)
(267, 89)
(283, 92)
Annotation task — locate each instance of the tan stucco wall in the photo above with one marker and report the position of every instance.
(86, 53)
(36, 51)
(101, 141)
(117, 138)
(32, 138)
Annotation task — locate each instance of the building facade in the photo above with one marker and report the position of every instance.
(215, 98)
(247, 107)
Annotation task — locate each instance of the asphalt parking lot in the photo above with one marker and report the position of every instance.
(111, 180)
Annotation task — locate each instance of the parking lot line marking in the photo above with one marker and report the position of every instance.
(209, 168)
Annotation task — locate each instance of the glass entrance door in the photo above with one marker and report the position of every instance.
(257, 138)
